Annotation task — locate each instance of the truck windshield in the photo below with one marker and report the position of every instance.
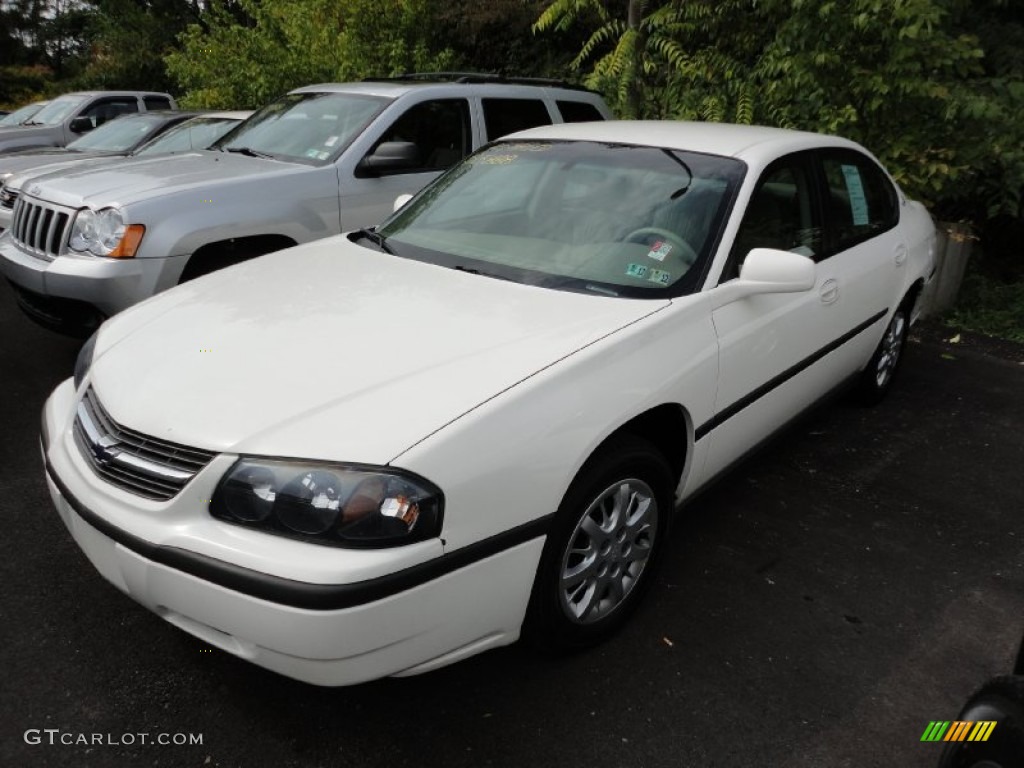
(55, 112)
(308, 128)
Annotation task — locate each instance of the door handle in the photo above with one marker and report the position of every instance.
(899, 255)
(829, 291)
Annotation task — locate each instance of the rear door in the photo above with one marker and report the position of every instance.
(865, 250)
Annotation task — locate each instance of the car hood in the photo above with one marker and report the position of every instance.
(48, 160)
(333, 351)
(145, 178)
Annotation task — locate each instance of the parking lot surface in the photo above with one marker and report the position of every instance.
(819, 606)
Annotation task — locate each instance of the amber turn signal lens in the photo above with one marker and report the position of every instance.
(129, 242)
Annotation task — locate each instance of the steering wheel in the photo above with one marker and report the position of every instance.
(684, 249)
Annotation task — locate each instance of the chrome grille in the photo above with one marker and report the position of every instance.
(8, 197)
(39, 228)
(146, 466)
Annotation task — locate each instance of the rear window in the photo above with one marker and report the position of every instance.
(157, 102)
(505, 116)
(578, 112)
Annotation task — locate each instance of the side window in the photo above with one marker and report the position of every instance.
(439, 129)
(781, 214)
(103, 111)
(156, 102)
(861, 201)
(505, 116)
(578, 112)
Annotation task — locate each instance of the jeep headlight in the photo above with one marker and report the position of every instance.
(104, 233)
(334, 504)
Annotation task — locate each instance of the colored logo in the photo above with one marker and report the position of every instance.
(958, 730)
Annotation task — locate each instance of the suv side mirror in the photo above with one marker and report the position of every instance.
(80, 124)
(767, 270)
(391, 156)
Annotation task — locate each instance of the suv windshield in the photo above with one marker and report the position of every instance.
(582, 216)
(118, 135)
(197, 133)
(55, 112)
(304, 127)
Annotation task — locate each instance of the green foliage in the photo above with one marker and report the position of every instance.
(990, 306)
(934, 87)
(283, 44)
(130, 39)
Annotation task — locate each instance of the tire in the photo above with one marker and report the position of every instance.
(1000, 700)
(875, 381)
(604, 545)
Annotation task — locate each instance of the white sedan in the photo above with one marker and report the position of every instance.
(380, 453)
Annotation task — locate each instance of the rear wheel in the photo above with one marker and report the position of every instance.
(603, 547)
(876, 379)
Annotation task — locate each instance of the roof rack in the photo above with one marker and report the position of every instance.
(475, 77)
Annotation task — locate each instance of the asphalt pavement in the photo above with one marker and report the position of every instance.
(853, 581)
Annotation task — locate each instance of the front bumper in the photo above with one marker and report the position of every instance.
(378, 632)
(108, 285)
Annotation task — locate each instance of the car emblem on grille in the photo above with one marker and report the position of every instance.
(34, 190)
(103, 450)
(101, 446)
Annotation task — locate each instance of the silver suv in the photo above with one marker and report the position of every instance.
(321, 160)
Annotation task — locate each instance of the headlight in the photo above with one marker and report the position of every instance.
(332, 504)
(105, 234)
(84, 360)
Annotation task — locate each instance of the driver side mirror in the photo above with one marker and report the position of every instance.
(80, 124)
(390, 157)
(767, 270)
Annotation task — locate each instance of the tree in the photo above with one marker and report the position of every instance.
(281, 44)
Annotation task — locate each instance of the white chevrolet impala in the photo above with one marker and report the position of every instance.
(380, 453)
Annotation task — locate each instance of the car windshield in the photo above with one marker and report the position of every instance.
(581, 216)
(304, 127)
(18, 116)
(118, 135)
(197, 133)
(58, 109)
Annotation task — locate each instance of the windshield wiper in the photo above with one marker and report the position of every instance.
(249, 152)
(374, 237)
(473, 271)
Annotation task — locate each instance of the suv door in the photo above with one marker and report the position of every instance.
(442, 132)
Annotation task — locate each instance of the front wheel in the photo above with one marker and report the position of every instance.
(603, 547)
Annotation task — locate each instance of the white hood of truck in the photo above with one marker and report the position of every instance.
(144, 178)
(334, 351)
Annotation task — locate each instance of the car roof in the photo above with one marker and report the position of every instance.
(724, 139)
(394, 88)
(112, 93)
(231, 114)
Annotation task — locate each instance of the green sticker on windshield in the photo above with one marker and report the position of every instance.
(660, 276)
(636, 270)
